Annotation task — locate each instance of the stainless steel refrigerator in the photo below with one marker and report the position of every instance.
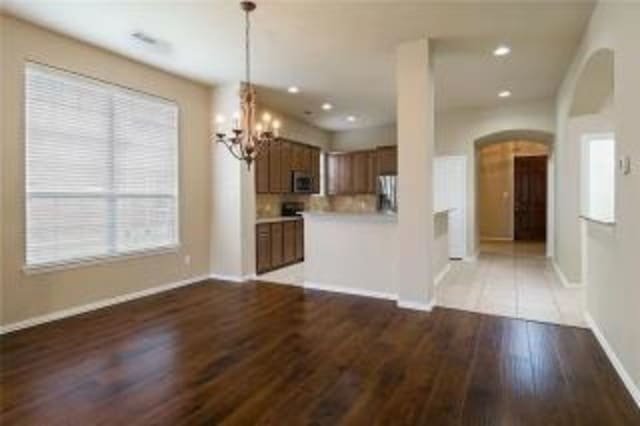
(387, 194)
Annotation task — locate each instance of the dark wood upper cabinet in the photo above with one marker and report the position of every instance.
(360, 163)
(346, 174)
(372, 172)
(315, 169)
(289, 242)
(263, 247)
(306, 159)
(387, 157)
(276, 245)
(262, 171)
(275, 166)
(286, 151)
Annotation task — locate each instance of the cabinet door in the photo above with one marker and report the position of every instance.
(275, 167)
(289, 242)
(387, 160)
(372, 173)
(315, 170)
(346, 174)
(262, 171)
(307, 153)
(299, 240)
(360, 162)
(263, 247)
(333, 175)
(285, 167)
(276, 245)
(296, 156)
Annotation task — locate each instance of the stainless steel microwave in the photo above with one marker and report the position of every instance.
(302, 182)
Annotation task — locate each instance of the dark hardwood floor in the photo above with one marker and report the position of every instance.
(243, 354)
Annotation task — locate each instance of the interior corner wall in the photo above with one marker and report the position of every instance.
(458, 129)
(612, 285)
(25, 296)
(364, 138)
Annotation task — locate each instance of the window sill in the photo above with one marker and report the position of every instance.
(97, 260)
(599, 222)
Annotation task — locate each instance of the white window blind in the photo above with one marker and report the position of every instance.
(101, 169)
(598, 177)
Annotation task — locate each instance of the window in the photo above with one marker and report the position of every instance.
(101, 169)
(598, 177)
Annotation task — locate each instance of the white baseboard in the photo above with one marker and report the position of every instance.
(563, 278)
(417, 306)
(405, 304)
(349, 290)
(438, 279)
(76, 310)
(633, 389)
(232, 278)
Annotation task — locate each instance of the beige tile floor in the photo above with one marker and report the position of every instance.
(509, 279)
(292, 275)
(515, 280)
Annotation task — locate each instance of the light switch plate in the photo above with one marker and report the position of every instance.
(625, 165)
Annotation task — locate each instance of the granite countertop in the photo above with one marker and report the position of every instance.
(377, 216)
(277, 219)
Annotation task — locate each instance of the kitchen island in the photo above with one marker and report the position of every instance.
(351, 253)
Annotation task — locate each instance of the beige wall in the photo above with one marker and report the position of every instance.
(26, 296)
(365, 138)
(458, 129)
(495, 186)
(612, 271)
(440, 243)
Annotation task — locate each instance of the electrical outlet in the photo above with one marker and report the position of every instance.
(187, 260)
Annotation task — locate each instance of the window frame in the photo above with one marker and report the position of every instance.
(110, 195)
(584, 175)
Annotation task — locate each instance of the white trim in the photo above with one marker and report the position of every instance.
(349, 290)
(563, 278)
(633, 389)
(473, 257)
(232, 278)
(404, 304)
(43, 268)
(76, 310)
(438, 279)
(417, 306)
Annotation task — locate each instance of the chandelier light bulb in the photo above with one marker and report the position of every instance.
(259, 128)
(266, 117)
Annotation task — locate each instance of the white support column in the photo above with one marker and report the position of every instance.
(415, 115)
(233, 201)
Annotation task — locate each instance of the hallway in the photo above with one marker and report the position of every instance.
(515, 280)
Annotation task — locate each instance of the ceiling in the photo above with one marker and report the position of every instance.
(338, 51)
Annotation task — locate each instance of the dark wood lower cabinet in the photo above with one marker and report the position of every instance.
(289, 242)
(276, 245)
(299, 240)
(263, 247)
(279, 244)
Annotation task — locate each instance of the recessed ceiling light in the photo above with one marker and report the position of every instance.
(327, 106)
(505, 94)
(351, 118)
(502, 50)
(293, 89)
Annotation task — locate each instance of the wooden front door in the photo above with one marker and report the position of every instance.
(530, 198)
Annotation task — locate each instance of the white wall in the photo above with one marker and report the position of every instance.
(613, 286)
(366, 138)
(458, 129)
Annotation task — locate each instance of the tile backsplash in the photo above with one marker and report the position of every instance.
(269, 205)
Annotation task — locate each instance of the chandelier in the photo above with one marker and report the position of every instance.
(246, 139)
